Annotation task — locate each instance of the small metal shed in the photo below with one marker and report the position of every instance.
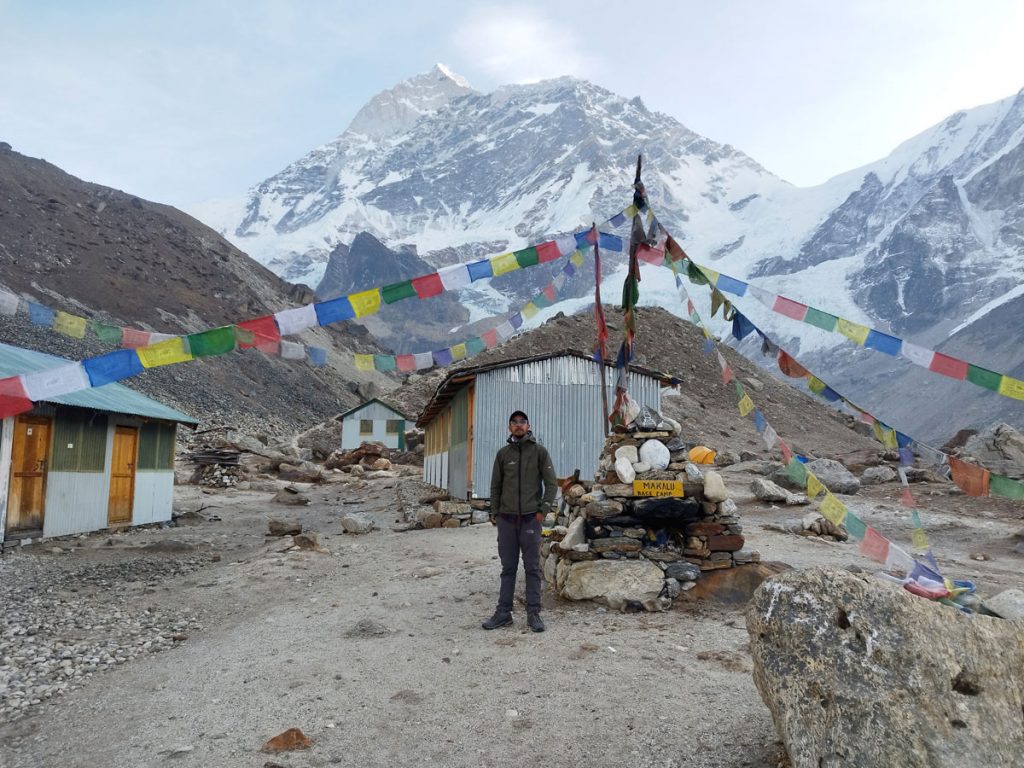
(84, 461)
(466, 421)
(374, 421)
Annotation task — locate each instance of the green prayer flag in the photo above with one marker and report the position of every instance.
(216, 341)
(630, 292)
(475, 346)
(740, 391)
(696, 276)
(984, 377)
(384, 362)
(541, 301)
(397, 291)
(855, 526)
(820, 319)
(527, 257)
(108, 334)
(244, 336)
(1001, 485)
(797, 471)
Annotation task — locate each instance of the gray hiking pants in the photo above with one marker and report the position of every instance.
(519, 534)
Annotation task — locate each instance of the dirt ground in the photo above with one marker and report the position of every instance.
(374, 649)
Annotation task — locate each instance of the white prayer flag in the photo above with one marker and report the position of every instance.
(424, 360)
(898, 560)
(765, 297)
(454, 276)
(292, 350)
(769, 436)
(8, 303)
(156, 338)
(916, 354)
(505, 330)
(54, 382)
(566, 244)
(291, 321)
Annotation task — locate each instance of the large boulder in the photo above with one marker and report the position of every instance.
(615, 582)
(1000, 447)
(321, 440)
(857, 671)
(834, 475)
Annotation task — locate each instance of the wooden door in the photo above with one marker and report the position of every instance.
(29, 454)
(122, 475)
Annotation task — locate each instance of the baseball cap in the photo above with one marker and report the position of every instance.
(520, 415)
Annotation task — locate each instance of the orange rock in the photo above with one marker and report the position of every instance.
(291, 739)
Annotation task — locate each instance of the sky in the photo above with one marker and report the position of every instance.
(189, 101)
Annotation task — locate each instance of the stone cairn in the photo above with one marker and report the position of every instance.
(630, 551)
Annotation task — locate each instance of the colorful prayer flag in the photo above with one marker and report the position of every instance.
(916, 354)
(983, 377)
(855, 526)
(108, 334)
(874, 545)
(406, 363)
(527, 257)
(292, 350)
(132, 338)
(69, 325)
(459, 351)
(113, 366)
(853, 331)
(385, 363)
(166, 352)
(883, 342)
(364, 362)
(480, 270)
(797, 471)
(769, 436)
(504, 263)
(832, 509)
(333, 311)
(443, 357)
(820, 319)
(1010, 387)
(814, 485)
(424, 360)
(13, 398)
(746, 405)
(365, 302)
(948, 366)
(548, 251)
(8, 303)
(791, 367)
(971, 478)
(732, 285)
(54, 382)
(317, 356)
(530, 310)
(789, 308)
(454, 276)
(265, 335)
(428, 286)
(490, 338)
(217, 341)
(296, 320)
(1008, 488)
(38, 314)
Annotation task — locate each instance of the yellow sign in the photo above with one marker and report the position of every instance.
(658, 488)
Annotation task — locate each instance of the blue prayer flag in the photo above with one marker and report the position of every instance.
(113, 366)
(618, 220)
(478, 270)
(759, 422)
(731, 285)
(709, 346)
(741, 326)
(516, 320)
(569, 268)
(609, 242)
(903, 441)
(317, 356)
(39, 314)
(830, 394)
(442, 357)
(334, 311)
(883, 342)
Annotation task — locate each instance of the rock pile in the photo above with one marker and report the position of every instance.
(218, 476)
(632, 546)
(446, 513)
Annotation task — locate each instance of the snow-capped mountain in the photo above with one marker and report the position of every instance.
(927, 243)
(474, 174)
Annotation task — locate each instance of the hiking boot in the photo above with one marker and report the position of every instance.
(499, 619)
(535, 622)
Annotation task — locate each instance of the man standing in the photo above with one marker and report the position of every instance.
(518, 507)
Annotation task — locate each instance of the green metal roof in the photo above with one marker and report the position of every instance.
(115, 398)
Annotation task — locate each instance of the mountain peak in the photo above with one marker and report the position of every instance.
(395, 110)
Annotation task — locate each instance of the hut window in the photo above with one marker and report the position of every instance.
(366, 426)
(79, 442)
(394, 426)
(156, 446)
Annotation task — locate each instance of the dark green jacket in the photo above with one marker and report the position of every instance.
(519, 470)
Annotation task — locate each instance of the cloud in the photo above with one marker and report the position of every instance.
(519, 45)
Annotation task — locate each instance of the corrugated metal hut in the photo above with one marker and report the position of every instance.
(466, 421)
(84, 461)
(375, 421)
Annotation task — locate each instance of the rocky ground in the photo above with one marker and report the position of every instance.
(195, 644)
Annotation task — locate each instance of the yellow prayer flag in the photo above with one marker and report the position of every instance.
(459, 351)
(164, 353)
(816, 385)
(630, 212)
(530, 310)
(919, 540)
(852, 331)
(364, 362)
(876, 428)
(746, 405)
(577, 258)
(832, 509)
(70, 325)
(506, 262)
(365, 303)
(814, 486)
(1010, 387)
(889, 439)
(711, 275)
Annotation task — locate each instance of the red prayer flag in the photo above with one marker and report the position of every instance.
(651, 255)
(907, 498)
(674, 250)
(490, 338)
(264, 327)
(13, 398)
(727, 375)
(549, 292)
(786, 453)
(970, 477)
(547, 252)
(406, 363)
(874, 545)
(791, 367)
(948, 366)
(133, 339)
(789, 308)
(427, 285)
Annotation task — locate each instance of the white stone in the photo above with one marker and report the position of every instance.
(624, 469)
(612, 581)
(655, 453)
(714, 487)
(575, 534)
(641, 466)
(627, 452)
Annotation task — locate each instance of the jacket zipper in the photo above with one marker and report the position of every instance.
(519, 471)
